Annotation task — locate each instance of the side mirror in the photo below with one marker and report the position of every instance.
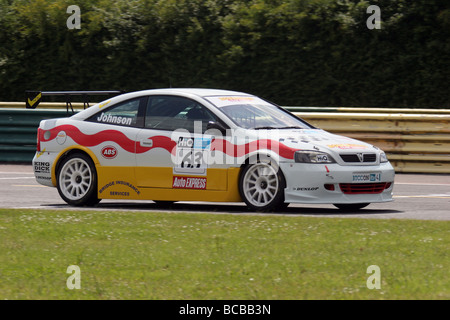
(212, 125)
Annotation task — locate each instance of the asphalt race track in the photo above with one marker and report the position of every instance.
(416, 196)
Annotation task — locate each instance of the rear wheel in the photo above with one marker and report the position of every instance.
(77, 180)
(261, 186)
(351, 206)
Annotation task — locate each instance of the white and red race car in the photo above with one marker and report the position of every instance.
(171, 145)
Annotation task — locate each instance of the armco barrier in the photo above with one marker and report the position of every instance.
(416, 143)
(366, 110)
(18, 129)
(415, 140)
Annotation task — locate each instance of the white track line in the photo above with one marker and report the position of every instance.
(16, 178)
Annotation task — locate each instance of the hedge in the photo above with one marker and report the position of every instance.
(293, 52)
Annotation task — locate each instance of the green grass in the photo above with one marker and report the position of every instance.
(146, 255)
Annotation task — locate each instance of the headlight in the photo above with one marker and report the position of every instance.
(309, 156)
(383, 157)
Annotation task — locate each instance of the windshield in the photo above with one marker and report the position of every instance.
(256, 113)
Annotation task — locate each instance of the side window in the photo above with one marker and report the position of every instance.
(122, 114)
(172, 113)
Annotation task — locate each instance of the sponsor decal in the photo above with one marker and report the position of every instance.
(103, 104)
(367, 177)
(185, 142)
(109, 152)
(119, 183)
(129, 185)
(33, 103)
(106, 186)
(61, 137)
(192, 155)
(202, 143)
(108, 118)
(43, 178)
(322, 158)
(42, 167)
(236, 99)
(119, 193)
(306, 188)
(347, 146)
(189, 183)
(195, 143)
(40, 153)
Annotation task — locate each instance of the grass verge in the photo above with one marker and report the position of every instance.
(146, 255)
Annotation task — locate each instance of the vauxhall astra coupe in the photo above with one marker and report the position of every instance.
(169, 145)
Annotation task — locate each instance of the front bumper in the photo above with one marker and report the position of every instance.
(321, 184)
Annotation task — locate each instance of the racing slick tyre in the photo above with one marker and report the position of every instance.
(351, 206)
(261, 186)
(77, 180)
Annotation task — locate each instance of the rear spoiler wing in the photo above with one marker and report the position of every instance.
(33, 98)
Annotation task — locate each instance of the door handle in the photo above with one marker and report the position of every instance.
(146, 143)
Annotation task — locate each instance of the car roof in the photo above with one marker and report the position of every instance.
(186, 92)
(201, 92)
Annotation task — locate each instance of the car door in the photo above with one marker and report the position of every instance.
(111, 135)
(172, 150)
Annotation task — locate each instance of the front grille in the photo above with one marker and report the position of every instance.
(364, 188)
(354, 157)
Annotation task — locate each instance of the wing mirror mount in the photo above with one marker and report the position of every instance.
(213, 125)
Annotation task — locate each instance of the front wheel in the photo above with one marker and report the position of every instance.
(77, 180)
(261, 186)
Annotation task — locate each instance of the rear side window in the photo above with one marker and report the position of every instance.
(126, 114)
(172, 113)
